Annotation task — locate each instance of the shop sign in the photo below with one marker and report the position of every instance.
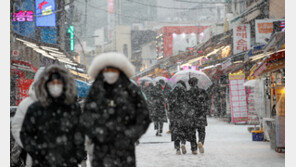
(241, 38)
(45, 13)
(71, 32)
(238, 100)
(22, 16)
(264, 28)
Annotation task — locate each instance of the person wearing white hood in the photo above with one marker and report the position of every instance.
(20, 114)
(116, 113)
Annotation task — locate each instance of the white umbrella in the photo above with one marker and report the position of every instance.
(204, 81)
(250, 83)
(146, 80)
(156, 79)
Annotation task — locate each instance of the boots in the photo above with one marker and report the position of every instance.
(200, 147)
(178, 152)
(183, 149)
(194, 152)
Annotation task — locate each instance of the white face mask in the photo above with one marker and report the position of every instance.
(111, 77)
(55, 90)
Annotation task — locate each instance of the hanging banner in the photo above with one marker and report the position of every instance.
(238, 101)
(241, 38)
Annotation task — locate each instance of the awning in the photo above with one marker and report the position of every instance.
(49, 52)
(271, 63)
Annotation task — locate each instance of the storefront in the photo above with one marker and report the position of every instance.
(272, 70)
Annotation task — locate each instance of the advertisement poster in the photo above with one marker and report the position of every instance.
(45, 13)
(241, 38)
(238, 102)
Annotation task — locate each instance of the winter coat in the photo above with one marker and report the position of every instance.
(51, 132)
(18, 119)
(198, 100)
(116, 115)
(149, 90)
(19, 116)
(180, 116)
(166, 91)
(158, 106)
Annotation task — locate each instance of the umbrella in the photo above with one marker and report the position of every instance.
(146, 80)
(204, 81)
(250, 83)
(82, 88)
(156, 79)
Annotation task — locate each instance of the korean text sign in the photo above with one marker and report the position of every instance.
(238, 100)
(241, 38)
(45, 13)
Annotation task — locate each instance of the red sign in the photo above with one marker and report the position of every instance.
(111, 6)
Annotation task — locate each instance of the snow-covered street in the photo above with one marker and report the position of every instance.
(225, 145)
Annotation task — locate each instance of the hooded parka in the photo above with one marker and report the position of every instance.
(115, 115)
(51, 132)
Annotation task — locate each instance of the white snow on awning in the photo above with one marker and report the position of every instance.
(49, 52)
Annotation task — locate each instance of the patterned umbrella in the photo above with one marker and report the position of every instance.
(204, 81)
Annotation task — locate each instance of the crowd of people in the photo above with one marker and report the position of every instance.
(185, 108)
(51, 128)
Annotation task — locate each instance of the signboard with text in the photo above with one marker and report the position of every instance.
(238, 100)
(23, 16)
(241, 38)
(45, 13)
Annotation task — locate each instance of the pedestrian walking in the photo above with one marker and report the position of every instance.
(166, 89)
(181, 118)
(158, 108)
(115, 114)
(51, 132)
(18, 119)
(199, 102)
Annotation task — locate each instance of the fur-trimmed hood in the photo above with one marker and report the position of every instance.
(69, 85)
(112, 59)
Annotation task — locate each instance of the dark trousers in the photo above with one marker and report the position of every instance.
(192, 143)
(186, 133)
(201, 134)
(158, 126)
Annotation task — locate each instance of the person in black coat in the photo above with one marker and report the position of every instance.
(181, 118)
(199, 102)
(115, 114)
(166, 88)
(51, 132)
(158, 110)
